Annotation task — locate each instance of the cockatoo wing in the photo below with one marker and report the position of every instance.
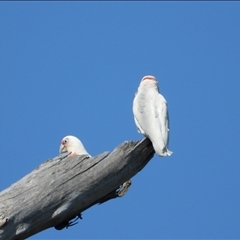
(137, 109)
(162, 117)
(140, 112)
(139, 127)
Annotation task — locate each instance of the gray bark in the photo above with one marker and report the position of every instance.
(62, 187)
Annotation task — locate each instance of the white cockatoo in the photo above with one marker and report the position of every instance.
(151, 115)
(72, 145)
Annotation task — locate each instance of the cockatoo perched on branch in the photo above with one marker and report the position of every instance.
(72, 145)
(151, 115)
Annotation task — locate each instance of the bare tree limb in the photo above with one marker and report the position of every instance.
(63, 187)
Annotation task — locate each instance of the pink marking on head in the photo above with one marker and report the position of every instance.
(64, 141)
(149, 77)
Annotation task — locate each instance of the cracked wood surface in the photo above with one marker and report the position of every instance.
(62, 187)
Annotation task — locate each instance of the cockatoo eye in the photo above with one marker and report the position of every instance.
(64, 141)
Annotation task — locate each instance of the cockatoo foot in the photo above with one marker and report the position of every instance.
(124, 188)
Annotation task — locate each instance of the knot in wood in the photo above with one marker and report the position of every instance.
(3, 220)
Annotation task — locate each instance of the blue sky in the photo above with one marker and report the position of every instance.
(74, 67)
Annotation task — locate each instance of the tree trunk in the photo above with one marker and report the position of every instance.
(63, 187)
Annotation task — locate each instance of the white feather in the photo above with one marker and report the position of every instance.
(151, 115)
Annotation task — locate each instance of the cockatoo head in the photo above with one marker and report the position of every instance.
(72, 145)
(149, 81)
(149, 77)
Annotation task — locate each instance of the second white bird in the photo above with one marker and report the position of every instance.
(72, 145)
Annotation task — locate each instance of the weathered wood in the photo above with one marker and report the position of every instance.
(62, 187)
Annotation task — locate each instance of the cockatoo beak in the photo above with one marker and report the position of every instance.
(62, 148)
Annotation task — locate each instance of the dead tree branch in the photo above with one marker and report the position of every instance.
(63, 187)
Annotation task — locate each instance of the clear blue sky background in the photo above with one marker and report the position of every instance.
(74, 67)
